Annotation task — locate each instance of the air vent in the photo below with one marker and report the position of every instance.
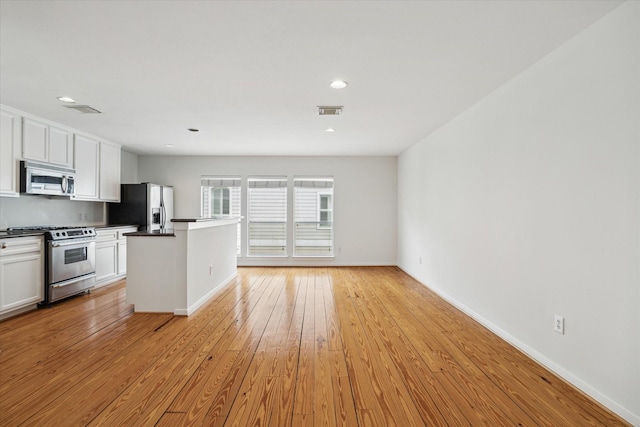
(84, 109)
(326, 110)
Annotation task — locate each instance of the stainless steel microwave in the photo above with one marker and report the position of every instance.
(42, 178)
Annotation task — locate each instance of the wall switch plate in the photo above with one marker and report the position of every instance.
(558, 324)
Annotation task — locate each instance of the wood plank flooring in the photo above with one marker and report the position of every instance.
(278, 347)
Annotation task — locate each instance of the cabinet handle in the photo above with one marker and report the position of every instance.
(4, 246)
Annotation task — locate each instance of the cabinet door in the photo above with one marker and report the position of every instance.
(60, 147)
(106, 261)
(34, 140)
(10, 138)
(21, 273)
(87, 168)
(109, 172)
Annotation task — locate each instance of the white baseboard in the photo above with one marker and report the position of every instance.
(535, 355)
(190, 310)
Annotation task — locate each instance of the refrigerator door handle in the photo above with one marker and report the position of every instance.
(163, 215)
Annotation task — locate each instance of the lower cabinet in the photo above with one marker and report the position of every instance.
(21, 274)
(111, 254)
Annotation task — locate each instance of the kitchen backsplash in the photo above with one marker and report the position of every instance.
(42, 210)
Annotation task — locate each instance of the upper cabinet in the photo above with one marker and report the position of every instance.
(27, 137)
(87, 165)
(10, 138)
(46, 143)
(97, 165)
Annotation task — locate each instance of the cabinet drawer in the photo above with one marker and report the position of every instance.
(106, 235)
(19, 245)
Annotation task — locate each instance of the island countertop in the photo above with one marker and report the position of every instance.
(185, 224)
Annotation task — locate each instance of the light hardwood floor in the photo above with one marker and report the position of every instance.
(278, 347)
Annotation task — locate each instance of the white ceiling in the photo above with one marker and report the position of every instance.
(250, 74)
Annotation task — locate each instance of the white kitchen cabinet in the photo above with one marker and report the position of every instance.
(86, 161)
(111, 254)
(109, 172)
(34, 140)
(42, 142)
(106, 258)
(97, 165)
(60, 147)
(21, 274)
(10, 142)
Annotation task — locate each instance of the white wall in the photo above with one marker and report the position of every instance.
(528, 205)
(128, 168)
(364, 198)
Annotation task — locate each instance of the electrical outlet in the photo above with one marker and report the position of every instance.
(558, 324)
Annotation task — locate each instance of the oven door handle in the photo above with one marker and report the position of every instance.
(72, 242)
(74, 280)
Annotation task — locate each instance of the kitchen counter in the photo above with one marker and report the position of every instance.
(116, 226)
(4, 234)
(153, 233)
(179, 274)
(186, 224)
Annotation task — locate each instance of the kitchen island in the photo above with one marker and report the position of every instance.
(180, 269)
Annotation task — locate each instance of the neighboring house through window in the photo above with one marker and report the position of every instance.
(313, 228)
(267, 216)
(222, 196)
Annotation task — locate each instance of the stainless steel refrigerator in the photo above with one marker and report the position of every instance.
(149, 206)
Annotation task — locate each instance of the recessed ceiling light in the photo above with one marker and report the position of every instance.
(66, 99)
(339, 84)
(330, 130)
(193, 130)
(169, 145)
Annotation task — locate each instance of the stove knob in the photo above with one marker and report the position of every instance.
(58, 234)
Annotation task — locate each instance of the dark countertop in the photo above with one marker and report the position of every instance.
(116, 226)
(153, 233)
(4, 234)
(218, 218)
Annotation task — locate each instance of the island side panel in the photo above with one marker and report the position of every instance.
(211, 262)
(155, 273)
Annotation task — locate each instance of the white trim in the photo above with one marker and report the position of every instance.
(534, 354)
(190, 310)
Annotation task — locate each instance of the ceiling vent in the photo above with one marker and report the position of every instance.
(84, 109)
(327, 110)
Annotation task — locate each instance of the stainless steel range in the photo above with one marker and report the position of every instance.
(70, 260)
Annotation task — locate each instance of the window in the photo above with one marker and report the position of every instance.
(267, 216)
(325, 210)
(313, 228)
(222, 196)
(221, 200)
